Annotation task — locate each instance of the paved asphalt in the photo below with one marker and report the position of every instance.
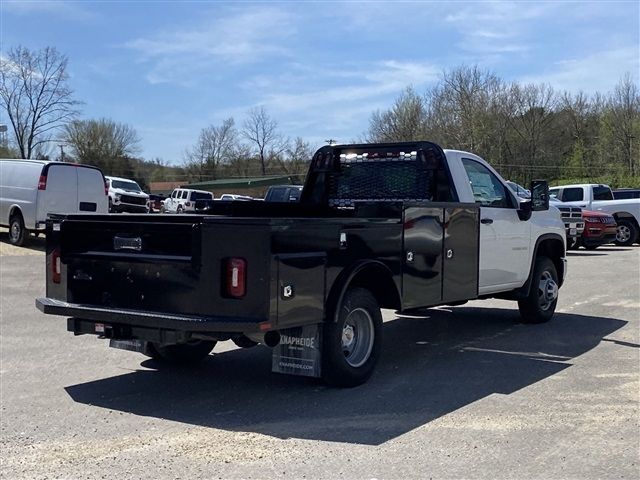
(468, 392)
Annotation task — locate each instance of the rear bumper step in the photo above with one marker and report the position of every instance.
(187, 323)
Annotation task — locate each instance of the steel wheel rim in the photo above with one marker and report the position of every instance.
(15, 231)
(357, 337)
(623, 233)
(547, 290)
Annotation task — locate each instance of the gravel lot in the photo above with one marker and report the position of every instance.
(468, 392)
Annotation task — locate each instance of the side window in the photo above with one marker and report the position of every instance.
(185, 194)
(487, 189)
(173, 194)
(555, 193)
(572, 195)
(602, 193)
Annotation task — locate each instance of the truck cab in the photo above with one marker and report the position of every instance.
(507, 242)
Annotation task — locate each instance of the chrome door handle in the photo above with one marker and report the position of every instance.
(487, 221)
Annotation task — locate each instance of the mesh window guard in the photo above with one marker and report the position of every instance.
(395, 176)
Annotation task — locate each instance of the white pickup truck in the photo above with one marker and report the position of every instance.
(599, 197)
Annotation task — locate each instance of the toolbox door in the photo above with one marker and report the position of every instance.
(300, 288)
(461, 253)
(422, 257)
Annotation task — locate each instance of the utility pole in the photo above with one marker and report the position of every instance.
(331, 141)
(61, 145)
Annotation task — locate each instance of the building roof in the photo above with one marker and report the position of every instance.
(249, 182)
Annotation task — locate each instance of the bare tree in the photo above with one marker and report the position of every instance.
(535, 110)
(262, 130)
(214, 147)
(35, 95)
(623, 120)
(403, 122)
(104, 143)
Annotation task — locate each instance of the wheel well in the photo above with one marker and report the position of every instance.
(375, 277)
(380, 283)
(626, 216)
(15, 209)
(553, 249)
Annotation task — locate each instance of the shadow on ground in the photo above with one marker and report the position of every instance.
(32, 242)
(429, 368)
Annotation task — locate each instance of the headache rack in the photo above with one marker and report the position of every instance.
(343, 175)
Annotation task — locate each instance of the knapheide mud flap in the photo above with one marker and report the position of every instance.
(299, 351)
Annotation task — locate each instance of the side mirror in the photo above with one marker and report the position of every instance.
(539, 195)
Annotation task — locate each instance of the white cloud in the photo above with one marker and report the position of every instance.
(245, 37)
(496, 28)
(361, 84)
(598, 72)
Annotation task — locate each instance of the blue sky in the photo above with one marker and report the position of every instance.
(320, 69)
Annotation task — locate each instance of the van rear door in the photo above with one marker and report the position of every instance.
(91, 196)
(71, 189)
(60, 194)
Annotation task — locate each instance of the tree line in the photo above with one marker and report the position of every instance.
(525, 130)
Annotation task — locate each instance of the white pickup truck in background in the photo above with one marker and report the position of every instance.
(599, 197)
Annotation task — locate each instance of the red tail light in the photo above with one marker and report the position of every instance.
(236, 277)
(56, 266)
(42, 183)
(106, 188)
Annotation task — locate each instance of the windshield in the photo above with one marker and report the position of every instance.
(126, 185)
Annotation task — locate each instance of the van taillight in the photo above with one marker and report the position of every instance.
(42, 183)
(106, 188)
(56, 266)
(236, 277)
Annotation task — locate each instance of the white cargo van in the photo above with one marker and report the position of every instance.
(32, 189)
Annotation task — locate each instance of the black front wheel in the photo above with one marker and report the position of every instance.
(181, 353)
(352, 343)
(540, 305)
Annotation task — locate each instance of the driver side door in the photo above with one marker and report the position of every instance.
(504, 238)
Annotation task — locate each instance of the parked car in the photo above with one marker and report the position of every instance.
(32, 189)
(156, 202)
(183, 200)
(395, 225)
(231, 197)
(600, 198)
(626, 193)
(599, 228)
(126, 196)
(283, 193)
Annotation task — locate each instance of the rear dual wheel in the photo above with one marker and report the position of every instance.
(352, 343)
